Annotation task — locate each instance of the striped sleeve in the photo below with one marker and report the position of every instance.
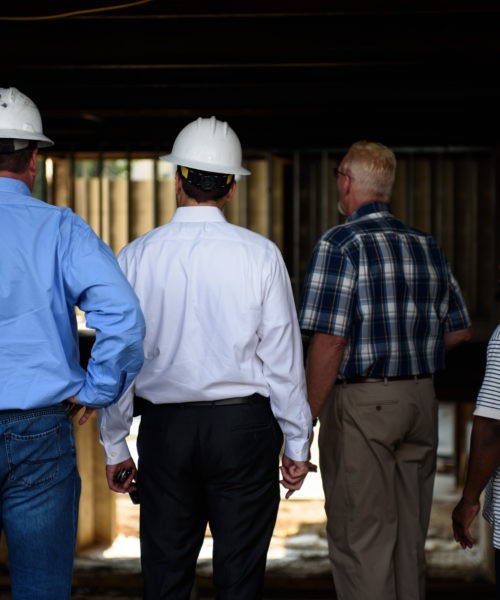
(488, 400)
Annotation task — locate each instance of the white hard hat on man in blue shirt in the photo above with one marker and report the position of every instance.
(20, 122)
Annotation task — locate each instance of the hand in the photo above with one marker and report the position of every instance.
(76, 407)
(463, 515)
(126, 486)
(294, 472)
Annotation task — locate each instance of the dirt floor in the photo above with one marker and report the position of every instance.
(298, 563)
(298, 566)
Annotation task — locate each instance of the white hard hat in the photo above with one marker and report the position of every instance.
(20, 119)
(208, 145)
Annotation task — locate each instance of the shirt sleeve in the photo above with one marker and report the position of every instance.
(115, 422)
(100, 289)
(488, 400)
(458, 316)
(328, 293)
(280, 349)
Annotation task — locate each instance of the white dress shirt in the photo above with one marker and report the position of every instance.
(221, 322)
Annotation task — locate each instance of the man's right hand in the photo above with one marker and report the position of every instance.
(463, 515)
(125, 486)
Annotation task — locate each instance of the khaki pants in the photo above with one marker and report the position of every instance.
(377, 446)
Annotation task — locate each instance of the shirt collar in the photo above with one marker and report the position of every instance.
(367, 209)
(195, 214)
(10, 184)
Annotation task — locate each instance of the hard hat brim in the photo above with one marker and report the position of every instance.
(17, 134)
(203, 166)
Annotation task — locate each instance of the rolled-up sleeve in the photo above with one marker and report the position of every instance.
(112, 309)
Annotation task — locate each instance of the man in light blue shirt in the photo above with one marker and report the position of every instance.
(51, 261)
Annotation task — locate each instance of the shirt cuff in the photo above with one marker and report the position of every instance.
(297, 450)
(116, 453)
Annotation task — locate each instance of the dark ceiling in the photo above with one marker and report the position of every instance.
(286, 74)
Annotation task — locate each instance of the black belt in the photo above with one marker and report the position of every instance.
(253, 399)
(382, 379)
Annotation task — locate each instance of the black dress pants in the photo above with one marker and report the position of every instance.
(215, 465)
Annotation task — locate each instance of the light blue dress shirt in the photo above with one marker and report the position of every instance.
(50, 262)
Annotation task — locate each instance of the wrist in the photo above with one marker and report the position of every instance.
(470, 499)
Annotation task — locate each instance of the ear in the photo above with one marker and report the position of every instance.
(232, 190)
(345, 184)
(221, 203)
(32, 165)
(178, 184)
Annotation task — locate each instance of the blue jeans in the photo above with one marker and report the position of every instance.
(39, 495)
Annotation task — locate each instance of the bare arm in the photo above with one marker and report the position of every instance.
(455, 338)
(323, 360)
(484, 459)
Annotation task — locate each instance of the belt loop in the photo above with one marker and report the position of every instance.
(386, 380)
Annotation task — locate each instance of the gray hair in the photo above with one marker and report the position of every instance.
(372, 168)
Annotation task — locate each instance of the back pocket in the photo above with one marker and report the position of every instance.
(33, 459)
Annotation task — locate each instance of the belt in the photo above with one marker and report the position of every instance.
(253, 399)
(348, 380)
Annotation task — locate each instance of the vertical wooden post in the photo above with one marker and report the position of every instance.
(166, 200)
(141, 207)
(258, 197)
(277, 203)
(119, 214)
(97, 516)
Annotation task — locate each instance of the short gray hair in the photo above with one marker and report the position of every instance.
(372, 168)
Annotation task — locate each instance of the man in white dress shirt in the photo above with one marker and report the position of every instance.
(222, 383)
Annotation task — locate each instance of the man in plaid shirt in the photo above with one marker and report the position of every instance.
(381, 307)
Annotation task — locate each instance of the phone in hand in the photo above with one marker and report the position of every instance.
(121, 476)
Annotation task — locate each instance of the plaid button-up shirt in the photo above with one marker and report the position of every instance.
(387, 289)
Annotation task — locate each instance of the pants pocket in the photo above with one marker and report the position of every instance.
(34, 458)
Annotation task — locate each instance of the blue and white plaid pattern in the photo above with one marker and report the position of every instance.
(387, 289)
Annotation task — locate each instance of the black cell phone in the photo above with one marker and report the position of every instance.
(121, 476)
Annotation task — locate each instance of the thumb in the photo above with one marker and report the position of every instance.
(86, 415)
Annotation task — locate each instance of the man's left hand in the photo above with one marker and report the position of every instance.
(463, 515)
(294, 472)
(76, 407)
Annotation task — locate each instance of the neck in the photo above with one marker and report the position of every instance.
(185, 201)
(24, 177)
